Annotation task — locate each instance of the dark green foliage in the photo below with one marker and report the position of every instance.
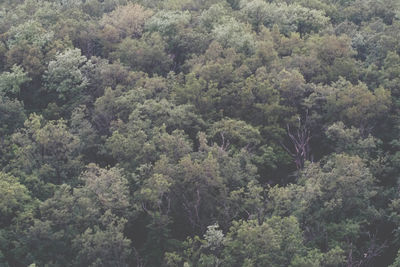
(199, 133)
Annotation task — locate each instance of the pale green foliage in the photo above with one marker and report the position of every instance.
(261, 98)
(67, 206)
(137, 139)
(189, 185)
(234, 34)
(289, 18)
(15, 201)
(325, 58)
(50, 147)
(213, 16)
(64, 74)
(168, 22)
(291, 86)
(396, 262)
(342, 183)
(214, 237)
(129, 145)
(394, 207)
(105, 245)
(314, 258)
(337, 194)
(391, 72)
(235, 132)
(109, 187)
(83, 128)
(275, 242)
(350, 141)
(11, 82)
(173, 259)
(353, 104)
(203, 184)
(126, 21)
(154, 191)
(251, 199)
(256, 12)
(96, 234)
(30, 32)
(174, 145)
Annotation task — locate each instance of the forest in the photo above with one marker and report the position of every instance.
(200, 133)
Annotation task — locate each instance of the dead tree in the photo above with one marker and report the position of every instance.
(300, 139)
(373, 251)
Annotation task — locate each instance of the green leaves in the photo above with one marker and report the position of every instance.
(17, 209)
(48, 147)
(235, 35)
(153, 122)
(30, 32)
(147, 54)
(104, 246)
(353, 104)
(86, 222)
(64, 74)
(125, 21)
(275, 242)
(11, 82)
(289, 18)
(237, 133)
(337, 195)
(109, 187)
(16, 203)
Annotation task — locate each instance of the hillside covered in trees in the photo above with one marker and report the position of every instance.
(212, 133)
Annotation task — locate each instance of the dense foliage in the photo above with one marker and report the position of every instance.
(200, 133)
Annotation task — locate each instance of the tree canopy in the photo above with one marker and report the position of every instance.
(199, 133)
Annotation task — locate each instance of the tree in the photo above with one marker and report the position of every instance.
(291, 86)
(16, 212)
(237, 133)
(336, 195)
(47, 149)
(275, 242)
(31, 32)
(82, 224)
(15, 200)
(12, 115)
(147, 54)
(11, 82)
(350, 141)
(65, 76)
(300, 139)
(168, 132)
(235, 35)
(353, 104)
(108, 187)
(134, 143)
(30, 46)
(125, 21)
(289, 18)
(390, 73)
(325, 59)
(195, 180)
(105, 245)
(181, 39)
